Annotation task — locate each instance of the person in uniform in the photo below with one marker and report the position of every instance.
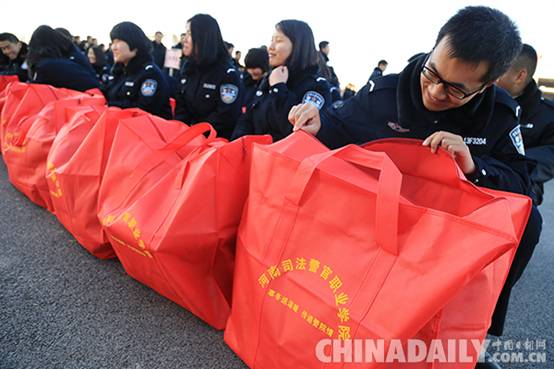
(76, 54)
(15, 53)
(158, 50)
(379, 70)
(537, 117)
(97, 60)
(328, 71)
(136, 81)
(257, 65)
(50, 62)
(294, 79)
(448, 98)
(209, 88)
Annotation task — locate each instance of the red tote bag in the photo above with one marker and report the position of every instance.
(335, 245)
(6, 80)
(178, 237)
(26, 152)
(74, 176)
(467, 317)
(134, 163)
(24, 101)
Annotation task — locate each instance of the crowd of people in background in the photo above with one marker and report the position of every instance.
(209, 83)
(448, 97)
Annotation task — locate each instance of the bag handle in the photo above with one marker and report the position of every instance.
(57, 115)
(32, 90)
(451, 172)
(388, 192)
(171, 147)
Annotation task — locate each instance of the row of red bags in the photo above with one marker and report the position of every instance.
(378, 242)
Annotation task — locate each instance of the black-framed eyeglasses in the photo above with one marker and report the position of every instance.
(449, 88)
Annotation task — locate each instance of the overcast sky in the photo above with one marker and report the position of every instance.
(360, 32)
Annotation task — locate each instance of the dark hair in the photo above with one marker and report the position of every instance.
(65, 32)
(208, 46)
(133, 35)
(304, 54)
(228, 45)
(383, 61)
(323, 67)
(10, 37)
(257, 58)
(47, 43)
(527, 60)
(323, 45)
(99, 55)
(482, 34)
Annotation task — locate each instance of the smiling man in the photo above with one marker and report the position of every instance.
(15, 52)
(448, 99)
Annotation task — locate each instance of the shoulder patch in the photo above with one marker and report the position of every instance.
(149, 87)
(231, 70)
(228, 93)
(320, 79)
(314, 98)
(148, 67)
(517, 140)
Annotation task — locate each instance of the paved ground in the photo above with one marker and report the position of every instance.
(62, 308)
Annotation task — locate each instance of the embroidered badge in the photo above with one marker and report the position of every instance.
(149, 87)
(314, 98)
(228, 93)
(517, 140)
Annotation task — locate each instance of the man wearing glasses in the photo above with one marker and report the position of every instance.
(448, 99)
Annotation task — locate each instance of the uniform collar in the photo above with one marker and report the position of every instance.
(137, 63)
(191, 67)
(411, 111)
(299, 76)
(529, 100)
(248, 81)
(295, 78)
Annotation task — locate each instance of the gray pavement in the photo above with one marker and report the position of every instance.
(62, 308)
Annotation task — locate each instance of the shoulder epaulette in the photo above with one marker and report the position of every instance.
(388, 81)
(503, 98)
(547, 102)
